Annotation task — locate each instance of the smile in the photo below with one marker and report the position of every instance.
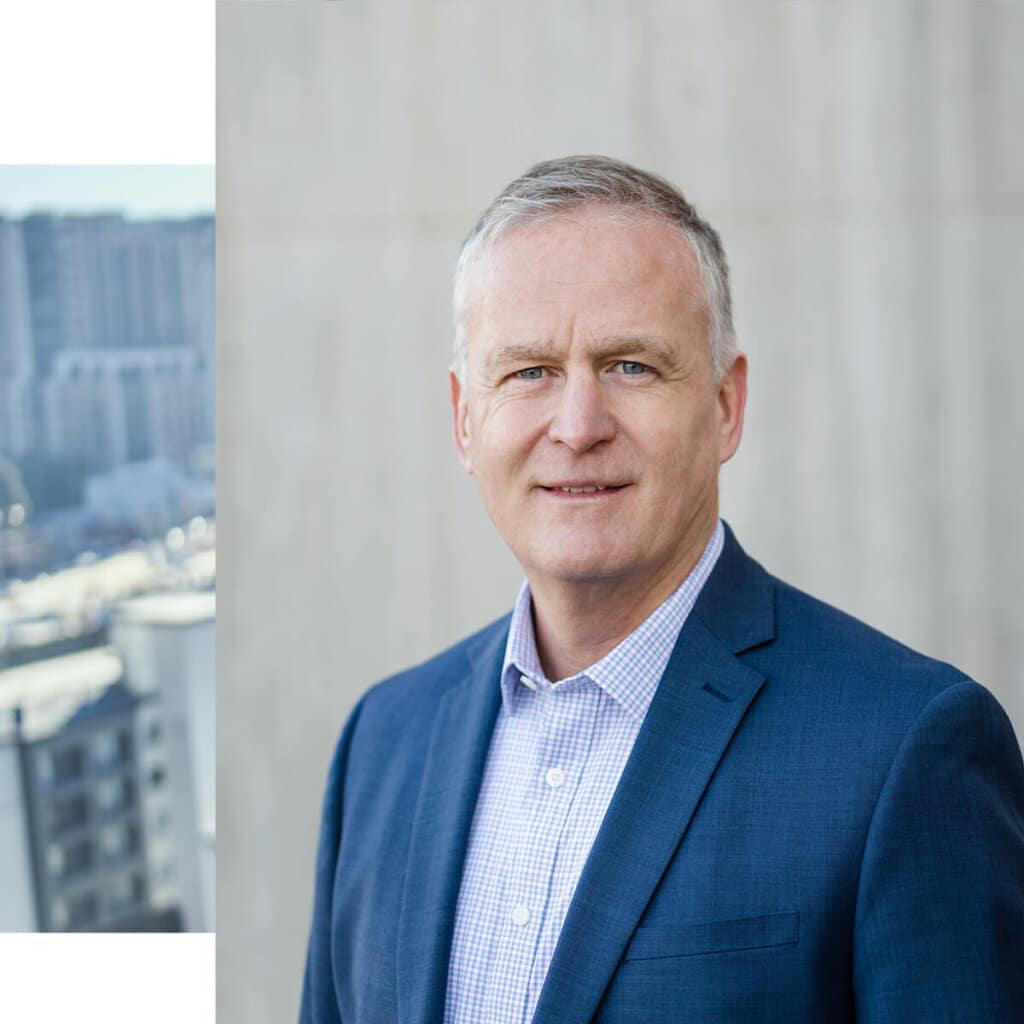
(578, 490)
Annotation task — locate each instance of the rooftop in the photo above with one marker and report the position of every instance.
(184, 608)
(50, 692)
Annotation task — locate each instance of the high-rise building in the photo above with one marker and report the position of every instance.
(167, 642)
(111, 406)
(74, 285)
(102, 281)
(18, 906)
(17, 364)
(86, 840)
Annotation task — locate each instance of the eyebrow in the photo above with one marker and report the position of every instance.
(602, 348)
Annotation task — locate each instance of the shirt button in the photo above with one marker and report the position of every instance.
(527, 681)
(520, 914)
(554, 777)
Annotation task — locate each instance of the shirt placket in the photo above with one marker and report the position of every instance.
(516, 916)
(571, 711)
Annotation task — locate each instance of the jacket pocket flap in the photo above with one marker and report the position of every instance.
(714, 936)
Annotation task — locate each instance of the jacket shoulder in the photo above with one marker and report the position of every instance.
(426, 682)
(839, 646)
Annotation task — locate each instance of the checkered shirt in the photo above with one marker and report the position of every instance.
(555, 759)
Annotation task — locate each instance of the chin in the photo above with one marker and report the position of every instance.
(578, 567)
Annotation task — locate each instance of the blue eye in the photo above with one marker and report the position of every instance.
(531, 373)
(631, 369)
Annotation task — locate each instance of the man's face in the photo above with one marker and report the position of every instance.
(589, 415)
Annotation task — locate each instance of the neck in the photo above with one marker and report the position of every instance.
(577, 623)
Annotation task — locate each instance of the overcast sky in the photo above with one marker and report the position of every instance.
(139, 190)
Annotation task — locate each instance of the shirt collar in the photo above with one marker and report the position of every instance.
(629, 673)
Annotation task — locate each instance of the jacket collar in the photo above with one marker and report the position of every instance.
(737, 603)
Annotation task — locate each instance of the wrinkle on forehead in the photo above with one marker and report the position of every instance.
(515, 270)
(522, 245)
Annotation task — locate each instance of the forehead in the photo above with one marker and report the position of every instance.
(617, 272)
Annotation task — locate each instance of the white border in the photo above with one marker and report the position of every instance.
(109, 979)
(111, 82)
(108, 81)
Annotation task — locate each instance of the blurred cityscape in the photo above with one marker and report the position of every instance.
(107, 573)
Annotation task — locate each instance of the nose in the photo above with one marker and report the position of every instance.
(582, 418)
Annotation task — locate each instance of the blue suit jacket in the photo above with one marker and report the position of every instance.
(816, 824)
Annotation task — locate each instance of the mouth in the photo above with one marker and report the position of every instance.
(583, 490)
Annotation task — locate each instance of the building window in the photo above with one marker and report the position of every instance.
(59, 915)
(77, 858)
(68, 813)
(55, 858)
(157, 775)
(82, 910)
(105, 749)
(125, 891)
(124, 746)
(112, 794)
(68, 763)
(119, 839)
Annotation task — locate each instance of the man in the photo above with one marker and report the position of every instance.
(669, 786)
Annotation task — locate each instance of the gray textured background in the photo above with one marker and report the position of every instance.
(863, 164)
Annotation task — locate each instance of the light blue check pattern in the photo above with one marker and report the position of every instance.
(555, 759)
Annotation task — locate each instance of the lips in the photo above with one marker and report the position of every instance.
(582, 487)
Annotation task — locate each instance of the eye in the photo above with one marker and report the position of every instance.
(632, 369)
(530, 373)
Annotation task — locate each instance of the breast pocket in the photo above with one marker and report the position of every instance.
(655, 942)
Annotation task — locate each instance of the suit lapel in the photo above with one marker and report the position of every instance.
(452, 774)
(699, 705)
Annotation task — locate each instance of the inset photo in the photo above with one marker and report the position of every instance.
(107, 548)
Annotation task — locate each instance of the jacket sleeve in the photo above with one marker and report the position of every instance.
(939, 928)
(319, 998)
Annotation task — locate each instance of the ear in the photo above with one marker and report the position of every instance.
(460, 422)
(732, 403)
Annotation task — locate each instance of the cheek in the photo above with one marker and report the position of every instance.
(685, 454)
(507, 432)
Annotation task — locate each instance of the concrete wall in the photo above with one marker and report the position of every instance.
(863, 163)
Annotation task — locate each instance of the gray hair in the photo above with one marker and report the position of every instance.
(555, 187)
